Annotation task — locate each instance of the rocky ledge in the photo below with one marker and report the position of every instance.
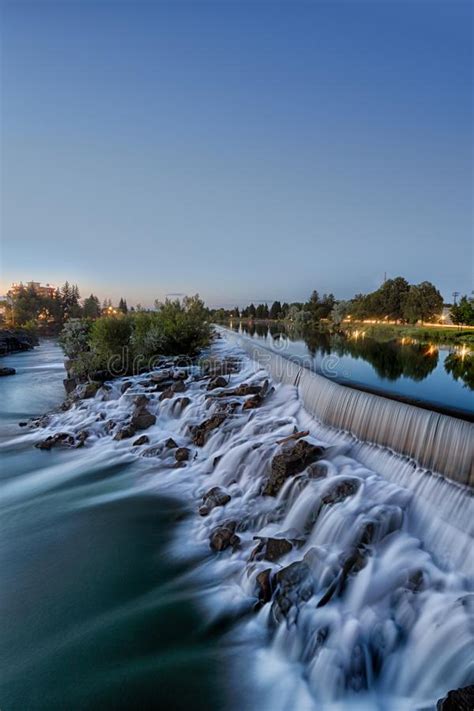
(15, 340)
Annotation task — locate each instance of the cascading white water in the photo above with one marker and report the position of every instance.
(396, 633)
(435, 441)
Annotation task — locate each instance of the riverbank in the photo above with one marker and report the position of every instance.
(318, 572)
(16, 340)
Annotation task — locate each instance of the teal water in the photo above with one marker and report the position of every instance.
(94, 614)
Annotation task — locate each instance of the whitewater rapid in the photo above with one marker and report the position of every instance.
(400, 634)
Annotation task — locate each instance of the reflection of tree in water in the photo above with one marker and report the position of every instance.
(390, 359)
(461, 368)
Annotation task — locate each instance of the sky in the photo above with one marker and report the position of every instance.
(248, 151)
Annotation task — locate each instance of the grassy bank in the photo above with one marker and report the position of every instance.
(426, 333)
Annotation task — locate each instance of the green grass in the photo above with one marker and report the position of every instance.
(425, 333)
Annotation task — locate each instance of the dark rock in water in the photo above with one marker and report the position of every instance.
(180, 403)
(182, 454)
(62, 438)
(23, 424)
(294, 585)
(317, 471)
(125, 433)
(142, 419)
(223, 537)
(264, 586)
(87, 390)
(109, 425)
(170, 443)
(340, 490)
(143, 439)
(7, 371)
(257, 399)
(201, 432)
(160, 377)
(458, 700)
(293, 459)
(81, 438)
(271, 549)
(218, 382)
(175, 387)
(180, 375)
(141, 400)
(126, 385)
(70, 385)
(215, 366)
(351, 563)
(214, 497)
(242, 390)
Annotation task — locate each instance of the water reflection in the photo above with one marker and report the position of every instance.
(391, 360)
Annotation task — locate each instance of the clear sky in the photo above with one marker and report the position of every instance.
(242, 150)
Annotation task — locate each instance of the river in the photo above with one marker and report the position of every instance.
(94, 613)
(112, 599)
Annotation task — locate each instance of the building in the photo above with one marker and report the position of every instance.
(41, 290)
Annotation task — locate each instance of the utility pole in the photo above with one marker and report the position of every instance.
(455, 296)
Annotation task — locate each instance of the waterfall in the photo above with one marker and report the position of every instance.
(436, 442)
(371, 603)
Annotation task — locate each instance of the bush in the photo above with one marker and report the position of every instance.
(108, 338)
(74, 338)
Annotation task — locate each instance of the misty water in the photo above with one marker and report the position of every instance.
(421, 372)
(112, 599)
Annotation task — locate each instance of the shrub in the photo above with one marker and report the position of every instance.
(74, 338)
(109, 337)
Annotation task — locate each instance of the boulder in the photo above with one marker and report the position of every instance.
(7, 371)
(293, 586)
(81, 438)
(293, 459)
(170, 443)
(143, 439)
(212, 498)
(70, 385)
(264, 586)
(457, 700)
(215, 366)
(142, 419)
(271, 549)
(160, 377)
(125, 386)
(217, 382)
(125, 433)
(223, 537)
(141, 400)
(340, 490)
(257, 400)
(182, 454)
(87, 390)
(180, 403)
(201, 432)
(61, 438)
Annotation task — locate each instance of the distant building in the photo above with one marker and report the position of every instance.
(41, 290)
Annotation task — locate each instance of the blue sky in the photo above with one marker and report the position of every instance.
(244, 150)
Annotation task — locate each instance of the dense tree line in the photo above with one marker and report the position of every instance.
(395, 300)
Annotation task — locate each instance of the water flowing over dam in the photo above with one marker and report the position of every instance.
(337, 571)
(435, 441)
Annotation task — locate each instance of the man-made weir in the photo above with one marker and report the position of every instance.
(435, 441)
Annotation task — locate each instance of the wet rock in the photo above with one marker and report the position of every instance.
(81, 438)
(180, 375)
(142, 419)
(271, 549)
(340, 490)
(7, 371)
(170, 391)
(170, 443)
(350, 563)
(141, 401)
(23, 424)
(160, 377)
(110, 425)
(242, 390)
(223, 537)
(264, 586)
(125, 432)
(317, 470)
(218, 382)
(126, 385)
(293, 459)
(458, 700)
(214, 497)
(182, 454)
(180, 404)
(61, 438)
(100, 376)
(294, 585)
(216, 366)
(85, 391)
(178, 387)
(143, 439)
(70, 385)
(201, 432)
(257, 400)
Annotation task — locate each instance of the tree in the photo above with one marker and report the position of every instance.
(262, 311)
(123, 306)
(252, 311)
(91, 307)
(339, 312)
(463, 312)
(275, 310)
(391, 298)
(422, 303)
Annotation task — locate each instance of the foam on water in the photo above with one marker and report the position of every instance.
(401, 633)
